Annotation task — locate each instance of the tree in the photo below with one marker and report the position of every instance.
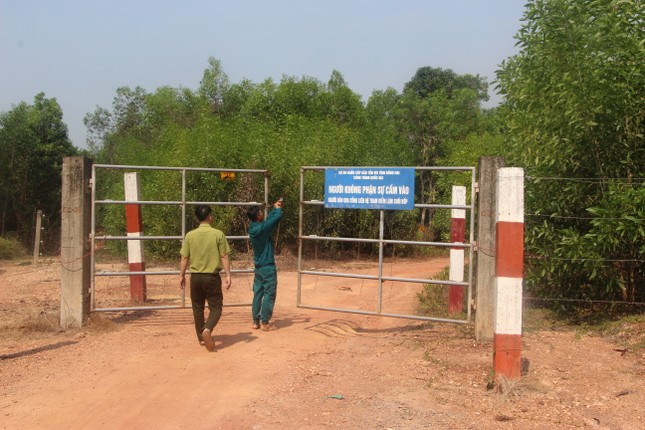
(437, 110)
(99, 125)
(429, 80)
(280, 126)
(437, 105)
(16, 137)
(126, 122)
(34, 140)
(344, 105)
(574, 108)
(214, 85)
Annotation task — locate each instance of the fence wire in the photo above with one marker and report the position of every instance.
(630, 182)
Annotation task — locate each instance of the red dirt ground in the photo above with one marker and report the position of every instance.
(318, 370)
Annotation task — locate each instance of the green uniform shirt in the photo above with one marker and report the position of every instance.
(204, 247)
(260, 234)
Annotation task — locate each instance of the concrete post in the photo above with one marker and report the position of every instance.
(457, 234)
(134, 225)
(509, 270)
(485, 261)
(76, 207)
(37, 231)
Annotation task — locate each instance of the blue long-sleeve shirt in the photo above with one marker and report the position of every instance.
(260, 234)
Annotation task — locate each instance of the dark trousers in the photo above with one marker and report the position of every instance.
(206, 287)
(265, 286)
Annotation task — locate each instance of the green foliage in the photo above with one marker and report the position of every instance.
(433, 298)
(10, 249)
(33, 142)
(440, 116)
(278, 126)
(602, 254)
(428, 81)
(574, 109)
(214, 85)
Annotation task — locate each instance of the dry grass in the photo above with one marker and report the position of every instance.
(29, 323)
(35, 324)
(512, 388)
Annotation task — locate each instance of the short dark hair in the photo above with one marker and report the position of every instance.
(253, 212)
(202, 212)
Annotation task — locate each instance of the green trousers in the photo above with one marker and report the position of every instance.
(206, 287)
(265, 286)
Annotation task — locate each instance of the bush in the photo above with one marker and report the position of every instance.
(10, 249)
(433, 299)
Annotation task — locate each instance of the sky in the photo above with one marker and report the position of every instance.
(80, 51)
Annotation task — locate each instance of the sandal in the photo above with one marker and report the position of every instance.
(268, 327)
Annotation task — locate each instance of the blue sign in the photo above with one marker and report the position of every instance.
(369, 188)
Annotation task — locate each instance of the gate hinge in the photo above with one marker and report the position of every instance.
(476, 186)
(475, 246)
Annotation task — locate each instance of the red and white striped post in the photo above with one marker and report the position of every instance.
(134, 224)
(457, 234)
(509, 273)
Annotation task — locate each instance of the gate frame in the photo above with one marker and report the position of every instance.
(183, 203)
(381, 242)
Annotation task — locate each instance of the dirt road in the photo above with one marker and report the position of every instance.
(318, 370)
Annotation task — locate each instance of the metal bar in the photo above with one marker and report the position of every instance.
(473, 180)
(92, 240)
(108, 237)
(381, 229)
(340, 239)
(174, 202)
(425, 281)
(300, 228)
(141, 202)
(445, 168)
(460, 168)
(384, 278)
(156, 308)
(360, 312)
(339, 275)
(183, 223)
(416, 205)
(396, 242)
(266, 192)
(189, 169)
(161, 272)
(412, 242)
(142, 272)
(437, 206)
(139, 308)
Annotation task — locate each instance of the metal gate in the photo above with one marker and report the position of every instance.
(312, 198)
(164, 299)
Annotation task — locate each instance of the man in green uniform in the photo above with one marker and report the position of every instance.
(265, 283)
(206, 250)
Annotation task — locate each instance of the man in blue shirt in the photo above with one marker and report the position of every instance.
(265, 283)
